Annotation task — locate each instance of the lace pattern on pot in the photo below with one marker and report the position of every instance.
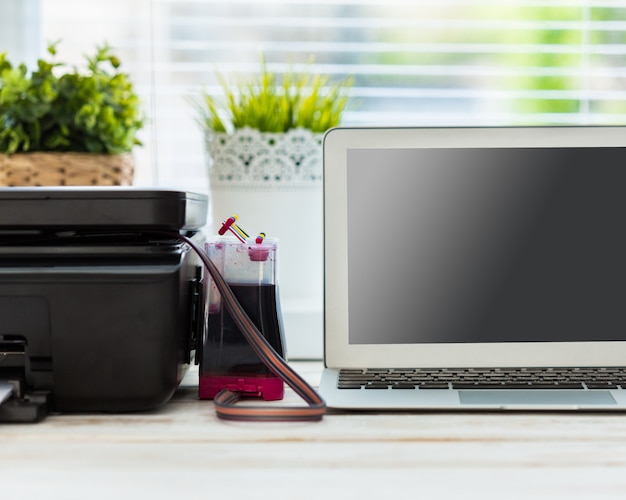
(251, 159)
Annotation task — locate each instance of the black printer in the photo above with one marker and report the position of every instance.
(101, 304)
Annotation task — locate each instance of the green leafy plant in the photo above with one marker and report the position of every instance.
(272, 103)
(95, 111)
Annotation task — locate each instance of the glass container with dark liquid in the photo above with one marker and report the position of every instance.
(227, 361)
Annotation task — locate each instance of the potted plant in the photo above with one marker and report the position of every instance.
(264, 143)
(63, 126)
(266, 132)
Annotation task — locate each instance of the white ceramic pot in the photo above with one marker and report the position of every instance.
(273, 182)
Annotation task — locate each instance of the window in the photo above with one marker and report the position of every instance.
(461, 62)
(20, 29)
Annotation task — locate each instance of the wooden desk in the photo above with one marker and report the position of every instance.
(184, 452)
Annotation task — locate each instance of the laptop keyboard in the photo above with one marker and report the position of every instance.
(489, 378)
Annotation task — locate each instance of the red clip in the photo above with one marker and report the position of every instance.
(226, 225)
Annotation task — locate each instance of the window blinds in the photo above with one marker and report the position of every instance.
(445, 62)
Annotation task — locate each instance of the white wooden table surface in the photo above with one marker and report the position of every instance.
(183, 451)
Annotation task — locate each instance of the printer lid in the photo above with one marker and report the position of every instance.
(96, 208)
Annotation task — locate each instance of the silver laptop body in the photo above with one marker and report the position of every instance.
(475, 268)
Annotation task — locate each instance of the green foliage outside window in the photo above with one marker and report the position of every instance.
(554, 67)
(538, 58)
(570, 68)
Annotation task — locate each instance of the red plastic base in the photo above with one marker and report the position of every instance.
(268, 388)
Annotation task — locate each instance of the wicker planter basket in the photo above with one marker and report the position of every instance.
(66, 169)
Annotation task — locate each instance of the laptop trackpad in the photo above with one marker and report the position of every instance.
(536, 397)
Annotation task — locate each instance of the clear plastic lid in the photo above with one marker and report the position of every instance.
(239, 263)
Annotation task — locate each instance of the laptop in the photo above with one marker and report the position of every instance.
(475, 268)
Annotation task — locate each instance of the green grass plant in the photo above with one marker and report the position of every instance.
(272, 102)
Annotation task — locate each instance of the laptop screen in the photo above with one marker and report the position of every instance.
(467, 245)
(474, 246)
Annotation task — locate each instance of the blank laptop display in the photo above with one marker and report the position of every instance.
(492, 249)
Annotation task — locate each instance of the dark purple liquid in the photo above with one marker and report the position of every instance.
(226, 351)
